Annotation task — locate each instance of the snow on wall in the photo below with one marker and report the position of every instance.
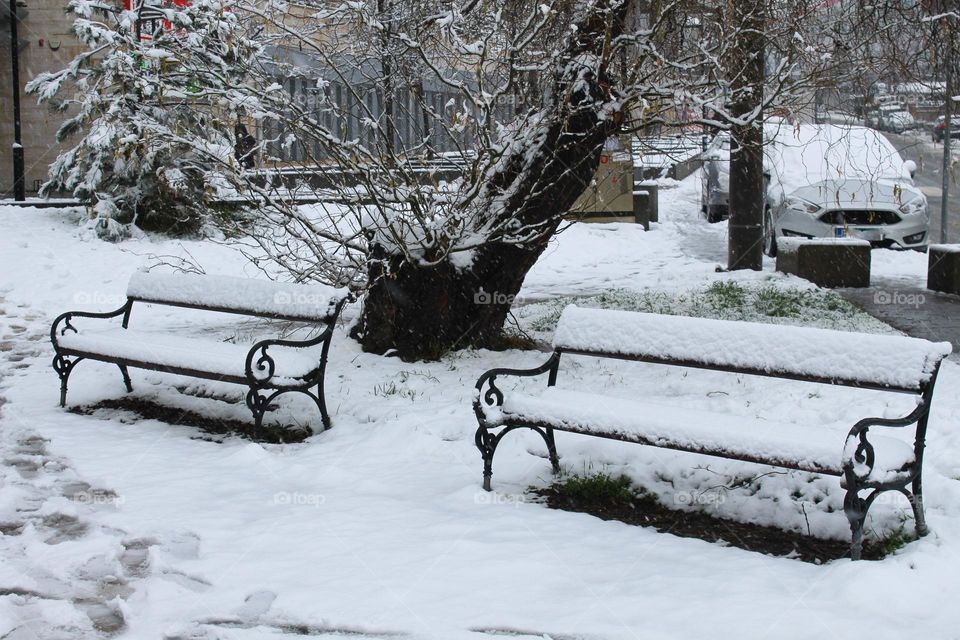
(945, 248)
(896, 361)
(260, 297)
(792, 245)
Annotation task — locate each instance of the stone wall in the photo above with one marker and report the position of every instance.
(49, 46)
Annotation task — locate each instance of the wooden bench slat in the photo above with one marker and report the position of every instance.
(212, 358)
(819, 355)
(262, 298)
(804, 447)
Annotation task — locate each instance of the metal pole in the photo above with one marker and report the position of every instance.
(947, 121)
(19, 187)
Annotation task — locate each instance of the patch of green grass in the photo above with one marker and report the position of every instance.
(725, 295)
(598, 487)
(779, 303)
(893, 542)
(772, 302)
(386, 389)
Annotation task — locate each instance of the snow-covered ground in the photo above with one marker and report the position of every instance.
(113, 524)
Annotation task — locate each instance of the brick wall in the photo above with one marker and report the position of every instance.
(50, 46)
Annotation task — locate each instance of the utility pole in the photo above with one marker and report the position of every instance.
(747, 197)
(19, 188)
(947, 122)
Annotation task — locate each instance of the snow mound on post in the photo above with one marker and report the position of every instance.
(240, 295)
(891, 361)
(792, 245)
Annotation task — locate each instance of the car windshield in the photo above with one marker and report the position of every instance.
(805, 154)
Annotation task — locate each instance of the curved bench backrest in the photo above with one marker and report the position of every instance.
(893, 363)
(261, 298)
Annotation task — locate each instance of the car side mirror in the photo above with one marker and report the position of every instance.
(911, 167)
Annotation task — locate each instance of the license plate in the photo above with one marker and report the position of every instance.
(868, 234)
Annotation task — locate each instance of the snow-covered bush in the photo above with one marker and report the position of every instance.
(153, 102)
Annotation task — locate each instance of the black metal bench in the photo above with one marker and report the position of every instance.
(268, 367)
(886, 363)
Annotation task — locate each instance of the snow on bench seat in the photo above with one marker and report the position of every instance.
(804, 447)
(896, 362)
(217, 359)
(240, 295)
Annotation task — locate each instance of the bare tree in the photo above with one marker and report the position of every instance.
(447, 141)
(520, 96)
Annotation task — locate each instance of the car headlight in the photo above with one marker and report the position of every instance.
(915, 206)
(799, 204)
(914, 238)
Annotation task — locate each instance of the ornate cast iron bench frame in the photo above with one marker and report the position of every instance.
(260, 367)
(488, 436)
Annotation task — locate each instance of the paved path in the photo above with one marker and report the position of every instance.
(914, 310)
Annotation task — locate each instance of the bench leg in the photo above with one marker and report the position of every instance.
(322, 405)
(126, 377)
(64, 366)
(855, 509)
(552, 450)
(916, 501)
(487, 444)
(258, 405)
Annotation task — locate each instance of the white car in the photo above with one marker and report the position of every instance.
(830, 181)
(836, 117)
(897, 121)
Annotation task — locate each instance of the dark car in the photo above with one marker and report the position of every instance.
(715, 179)
(940, 125)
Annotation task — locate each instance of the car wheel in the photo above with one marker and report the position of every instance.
(769, 235)
(714, 215)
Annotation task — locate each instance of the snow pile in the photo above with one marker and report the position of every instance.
(893, 361)
(178, 352)
(807, 447)
(946, 248)
(240, 295)
(792, 245)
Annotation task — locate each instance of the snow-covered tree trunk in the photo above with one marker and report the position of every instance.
(423, 311)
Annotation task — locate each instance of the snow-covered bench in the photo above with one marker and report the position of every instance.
(888, 363)
(268, 367)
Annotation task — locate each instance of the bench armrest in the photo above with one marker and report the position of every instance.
(493, 396)
(858, 454)
(260, 367)
(65, 320)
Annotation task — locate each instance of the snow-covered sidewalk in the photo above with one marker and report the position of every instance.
(112, 524)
